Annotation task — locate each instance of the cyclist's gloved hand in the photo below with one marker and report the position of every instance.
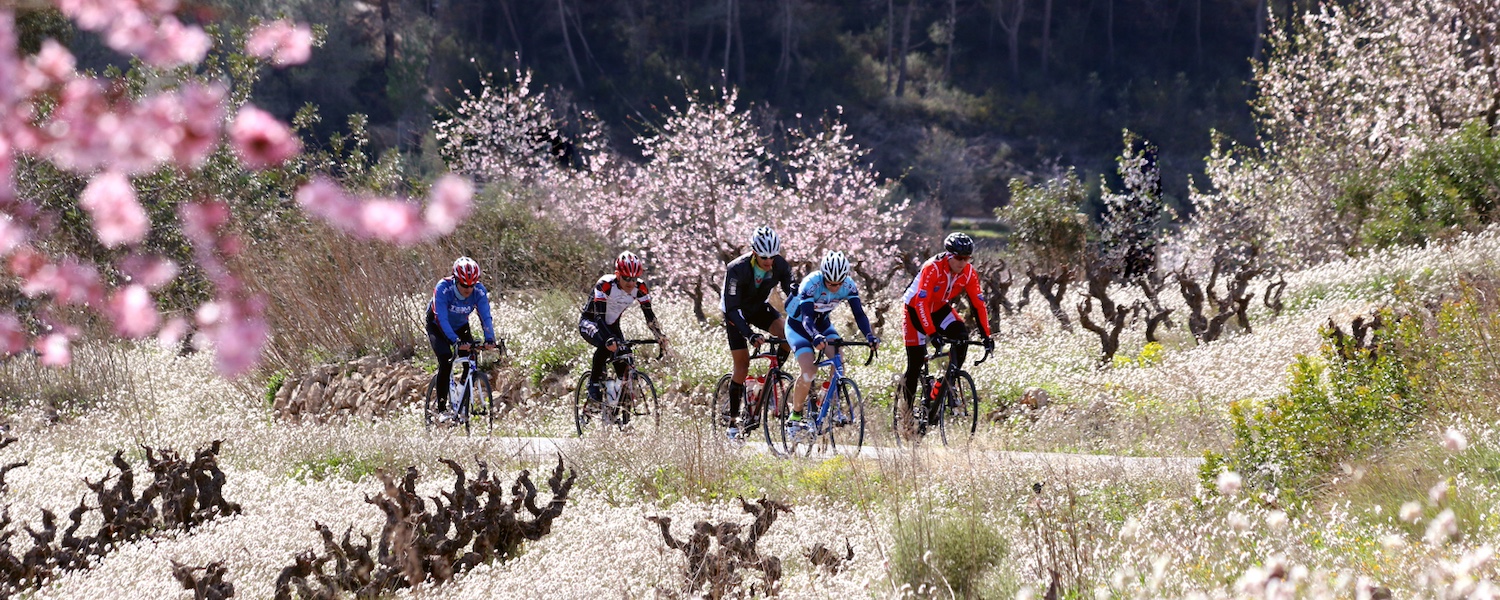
(989, 344)
(612, 345)
(873, 340)
(938, 342)
(818, 341)
(757, 339)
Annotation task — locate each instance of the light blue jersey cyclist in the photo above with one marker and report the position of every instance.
(809, 314)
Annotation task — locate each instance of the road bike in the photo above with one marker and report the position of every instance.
(470, 385)
(623, 400)
(841, 408)
(950, 402)
(760, 391)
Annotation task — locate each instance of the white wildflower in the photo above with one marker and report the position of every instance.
(1442, 528)
(1229, 483)
(1411, 511)
(1454, 441)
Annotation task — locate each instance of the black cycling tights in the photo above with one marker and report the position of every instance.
(915, 354)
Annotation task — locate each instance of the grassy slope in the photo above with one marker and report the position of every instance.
(1148, 533)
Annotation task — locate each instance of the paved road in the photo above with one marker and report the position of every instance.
(539, 448)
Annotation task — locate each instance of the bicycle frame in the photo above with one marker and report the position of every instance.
(835, 364)
(624, 355)
(773, 369)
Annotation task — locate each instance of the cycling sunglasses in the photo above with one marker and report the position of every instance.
(629, 279)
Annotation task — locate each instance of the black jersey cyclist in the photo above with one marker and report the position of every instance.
(600, 323)
(454, 298)
(748, 282)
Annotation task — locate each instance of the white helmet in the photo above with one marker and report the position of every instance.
(835, 267)
(765, 243)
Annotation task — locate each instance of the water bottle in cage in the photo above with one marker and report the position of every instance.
(753, 385)
(612, 392)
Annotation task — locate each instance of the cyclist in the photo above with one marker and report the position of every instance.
(811, 326)
(600, 322)
(928, 311)
(453, 299)
(747, 285)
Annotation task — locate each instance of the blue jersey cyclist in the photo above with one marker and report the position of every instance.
(810, 324)
(454, 298)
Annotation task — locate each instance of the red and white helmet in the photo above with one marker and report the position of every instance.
(466, 271)
(629, 265)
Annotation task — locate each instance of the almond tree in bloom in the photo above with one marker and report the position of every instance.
(710, 177)
(1347, 90)
(166, 127)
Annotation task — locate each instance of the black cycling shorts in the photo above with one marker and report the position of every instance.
(761, 317)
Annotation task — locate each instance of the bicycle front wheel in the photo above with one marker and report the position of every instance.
(484, 401)
(642, 402)
(584, 414)
(774, 411)
(967, 397)
(848, 414)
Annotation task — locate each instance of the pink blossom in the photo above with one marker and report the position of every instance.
(10, 71)
(170, 336)
(176, 44)
(150, 271)
(12, 334)
(118, 217)
(12, 234)
(54, 350)
(261, 140)
(390, 220)
(54, 61)
(324, 198)
(200, 220)
(449, 203)
(158, 7)
(133, 311)
(93, 15)
(238, 331)
(284, 43)
(69, 282)
(199, 124)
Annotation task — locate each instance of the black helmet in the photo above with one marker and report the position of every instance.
(959, 243)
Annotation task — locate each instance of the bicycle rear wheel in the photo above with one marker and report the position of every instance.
(850, 405)
(430, 404)
(641, 401)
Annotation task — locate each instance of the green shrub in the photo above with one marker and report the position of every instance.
(954, 551)
(1453, 184)
(342, 464)
(1339, 406)
(273, 385)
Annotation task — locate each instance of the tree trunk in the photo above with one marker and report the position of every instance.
(562, 21)
(389, 31)
(952, 38)
(784, 64)
(1198, 30)
(1109, 31)
(739, 46)
(510, 25)
(911, 6)
(890, 41)
(1046, 35)
(697, 295)
(1260, 29)
(728, 39)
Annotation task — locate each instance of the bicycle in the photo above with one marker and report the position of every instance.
(469, 380)
(841, 405)
(623, 400)
(945, 402)
(755, 399)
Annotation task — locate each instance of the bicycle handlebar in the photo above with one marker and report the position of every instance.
(869, 357)
(966, 342)
(660, 350)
